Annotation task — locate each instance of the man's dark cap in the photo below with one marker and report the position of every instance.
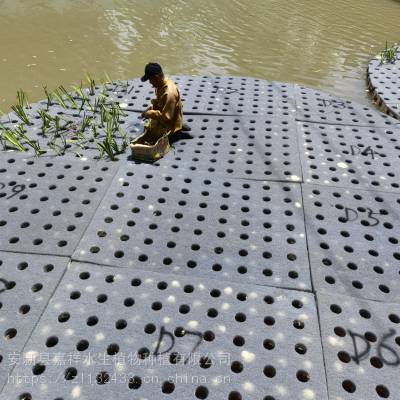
(150, 70)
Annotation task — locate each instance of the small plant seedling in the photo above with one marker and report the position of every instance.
(9, 136)
(65, 93)
(49, 97)
(389, 55)
(92, 84)
(22, 99)
(46, 120)
(21, 114)
(58, 96)
(20, 132)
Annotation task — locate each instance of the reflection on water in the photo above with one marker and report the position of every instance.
(318, 43)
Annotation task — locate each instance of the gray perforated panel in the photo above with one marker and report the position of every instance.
(100, 337)
(315, 106)
(361, 347)
(217, 95)
(256, 148)
(354, 157)
(353, 239)
(26, 284)
(178, 222)
(48, 202)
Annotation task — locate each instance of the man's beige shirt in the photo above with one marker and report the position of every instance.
(168, 117)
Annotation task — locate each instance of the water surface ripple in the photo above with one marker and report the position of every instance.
(319, 43)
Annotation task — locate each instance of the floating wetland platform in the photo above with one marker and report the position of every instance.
(258, 260)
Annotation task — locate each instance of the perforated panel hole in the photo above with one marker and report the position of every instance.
(339, 331)
(344, 356)
(382, 391)
(238, 341)
(303, 376)
(64, 317)
(376, 362)
(82, 345)
(209, 336)
(75, 295)
(38, 369)
(336, 309)
(205, 362)
(298, 324)
(300, 348)
(234, 396)
(237, 367)
(269, 300)
(168, 387)
(370, 336)
(52, 341)
(143, 353)
(102, 378)
(269, 371)
(10, 334)
(24, 309)
(121, 324)
(201, 392)
(269, 344)
(70, 373)
(240, 317)
(92, 321)
(349, 386)
(135, 382)
(175, 358)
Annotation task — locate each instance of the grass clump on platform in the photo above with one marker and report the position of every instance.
(389, 55)
(98, 124)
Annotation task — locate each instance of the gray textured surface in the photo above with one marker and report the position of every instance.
(26, 284)
(384, 81)
(217, 95)
(277, 323)
(48, 202)
(176, 221)
(315, 106)
(373, 375)
(353, 239)
(353, 157)
(216, 213)
(240, 147)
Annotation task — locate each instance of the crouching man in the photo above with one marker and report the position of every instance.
(164, 113)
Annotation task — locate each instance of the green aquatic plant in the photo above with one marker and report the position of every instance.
(86, 120)
(101, 118)
(21, 134)
(68, 96)
(109, 145)
(92, 84)
(389, 55)
(81, 96)
(49, 97)
(46, 120)
(10, 136)
(21, 114)
(59, 99)
(22, 99)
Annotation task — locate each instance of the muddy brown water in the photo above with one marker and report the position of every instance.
(318, 43)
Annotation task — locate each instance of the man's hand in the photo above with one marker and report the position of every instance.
(149, 114)
(144, 113)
